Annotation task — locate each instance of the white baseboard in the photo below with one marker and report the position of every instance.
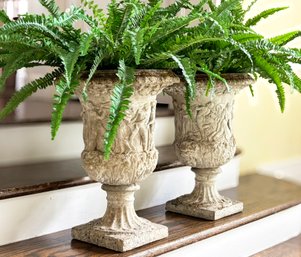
(249, 239)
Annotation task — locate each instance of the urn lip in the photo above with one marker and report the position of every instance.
(138, 72)
(228, 76)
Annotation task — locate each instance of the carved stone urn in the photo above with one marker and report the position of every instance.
(133, 158)
(205, 142)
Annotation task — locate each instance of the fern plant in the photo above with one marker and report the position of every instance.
(237, 48)
(131, 35)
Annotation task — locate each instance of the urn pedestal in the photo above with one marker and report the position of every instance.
(133, 158)
(205, 142)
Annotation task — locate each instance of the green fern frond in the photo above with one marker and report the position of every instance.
(282, 40)
(212, 6)
(150, 13)
(297, 82)
(32, 23)
(263, 15)
(246, 37)
(251, 88)
(96, 10)
(271, 72)
(267, 46)
(97, 60)
(188, 71)
(137, 39)
(124, 21)
(69, 60)
(223, 11)
(251, 5)
(176, 48)
(210, 86)
(68, 18)
(170, 26)
(18, 60)
(64, 91)
(3, 17)
(244, 50)
(51, 6)
(120, 101)
(213, 75)
(28, 90)
(13, 42)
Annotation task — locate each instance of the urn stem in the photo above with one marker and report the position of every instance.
(120, 215)
(205, 191)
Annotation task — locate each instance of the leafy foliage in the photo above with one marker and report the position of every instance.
(134, 34)
(237, 48)
(120, 101)
(253, 21)
(129, 36)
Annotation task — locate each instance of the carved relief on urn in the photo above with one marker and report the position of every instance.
(205, 142)
(133, 158)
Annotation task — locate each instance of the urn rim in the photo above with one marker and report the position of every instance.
(138, 72)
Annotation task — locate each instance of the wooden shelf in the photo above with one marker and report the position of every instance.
(262, 196)
(33, 178)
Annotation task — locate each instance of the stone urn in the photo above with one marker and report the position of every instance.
(205, 142)
(133, 159)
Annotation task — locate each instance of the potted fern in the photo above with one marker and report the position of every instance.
(111, 69)
(234, 58)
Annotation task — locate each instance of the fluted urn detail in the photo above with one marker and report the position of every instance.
(133, 158)
(205, 142)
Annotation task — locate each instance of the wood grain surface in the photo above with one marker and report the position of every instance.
(261, 195)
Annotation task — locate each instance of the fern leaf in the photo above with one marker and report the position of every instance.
(137, 38)
(97, 60)
(251, 88)
(125, 20)
(69, 60)
(246, 37)
(73, 15)
(51, 6)
(223, 11)
(96, 10)
(214, 75)
(32, 23)
(282, 40)
(188, 72)
(63, 94)
(120, 101)
(64, 89)
(297, 82)
(253, 21)
(212, 6)
(250, 6)
(150, 13)
(28, 90)
(16, 61)
(271, 72)
(173, 9)
(244, 50)
(170, 26)
(13, 42)
(210, 86)
(3, 17)
(154, 58)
